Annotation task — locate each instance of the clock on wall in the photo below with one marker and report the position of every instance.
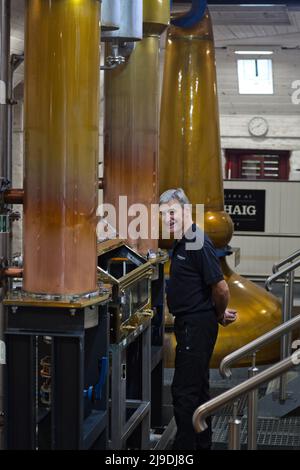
(258, 126)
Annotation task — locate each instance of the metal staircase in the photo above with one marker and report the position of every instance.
(249, 414)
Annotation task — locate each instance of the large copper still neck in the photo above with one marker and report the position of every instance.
(190, 153)
(190, 157)
(62, 63)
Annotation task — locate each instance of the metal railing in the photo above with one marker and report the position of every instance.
(231, 395)
(287, 272)
(252, 348)
(257, 344)
(279, 274)
(255, 379)
(286, 260)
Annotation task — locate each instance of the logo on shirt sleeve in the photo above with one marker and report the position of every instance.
(182, 258)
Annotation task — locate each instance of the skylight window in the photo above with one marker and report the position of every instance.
(255, 76)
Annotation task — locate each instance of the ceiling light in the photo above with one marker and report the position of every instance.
(254, 52)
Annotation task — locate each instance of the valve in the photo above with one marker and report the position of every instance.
(94, 392)
(116, 58)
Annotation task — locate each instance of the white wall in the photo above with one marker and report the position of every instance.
(259, 253)
(283, 134)
(286, 69)
(282, 115)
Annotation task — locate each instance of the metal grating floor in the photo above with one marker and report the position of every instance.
(271, 432)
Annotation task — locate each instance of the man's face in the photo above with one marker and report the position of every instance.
(172, 216)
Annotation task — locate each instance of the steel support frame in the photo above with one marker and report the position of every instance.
(71, 426)
(122, 427)
(157, 343)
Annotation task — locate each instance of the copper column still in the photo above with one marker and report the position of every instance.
(132, 120)
(62, 62)
(190, 157)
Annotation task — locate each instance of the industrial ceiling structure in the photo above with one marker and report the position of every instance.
(235, 24)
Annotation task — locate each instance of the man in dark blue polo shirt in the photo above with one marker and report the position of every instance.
(197, 296)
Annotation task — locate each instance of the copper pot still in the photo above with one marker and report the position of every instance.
(190, 157)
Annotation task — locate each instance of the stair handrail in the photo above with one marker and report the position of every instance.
(282, 331)
(256, 344)
(286, 260)
(279, 274)
(268, 337)
(288, 272)
(245, 387)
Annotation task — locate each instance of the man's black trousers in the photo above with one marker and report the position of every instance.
(196, 335)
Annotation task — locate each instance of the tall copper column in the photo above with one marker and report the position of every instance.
(132, 120)
(190, 158)
(190, 137)
(62, 64)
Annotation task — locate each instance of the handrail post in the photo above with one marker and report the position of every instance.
(285, 338)
(252, 409)
(291, 306)
(234, 430)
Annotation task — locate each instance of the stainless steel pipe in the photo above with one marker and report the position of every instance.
(218, 402)
(256, 345)
(252, 410)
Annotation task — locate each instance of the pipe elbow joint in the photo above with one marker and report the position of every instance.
(199, 422)
(225, 370)
(193, 16)
(268, 286)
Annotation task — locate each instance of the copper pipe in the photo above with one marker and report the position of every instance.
(13, 272)
(61, 130)
(14, 196)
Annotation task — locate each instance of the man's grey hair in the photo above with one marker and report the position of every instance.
(177, 194)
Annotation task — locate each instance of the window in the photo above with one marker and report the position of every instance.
(255, 76)
(257, 165)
